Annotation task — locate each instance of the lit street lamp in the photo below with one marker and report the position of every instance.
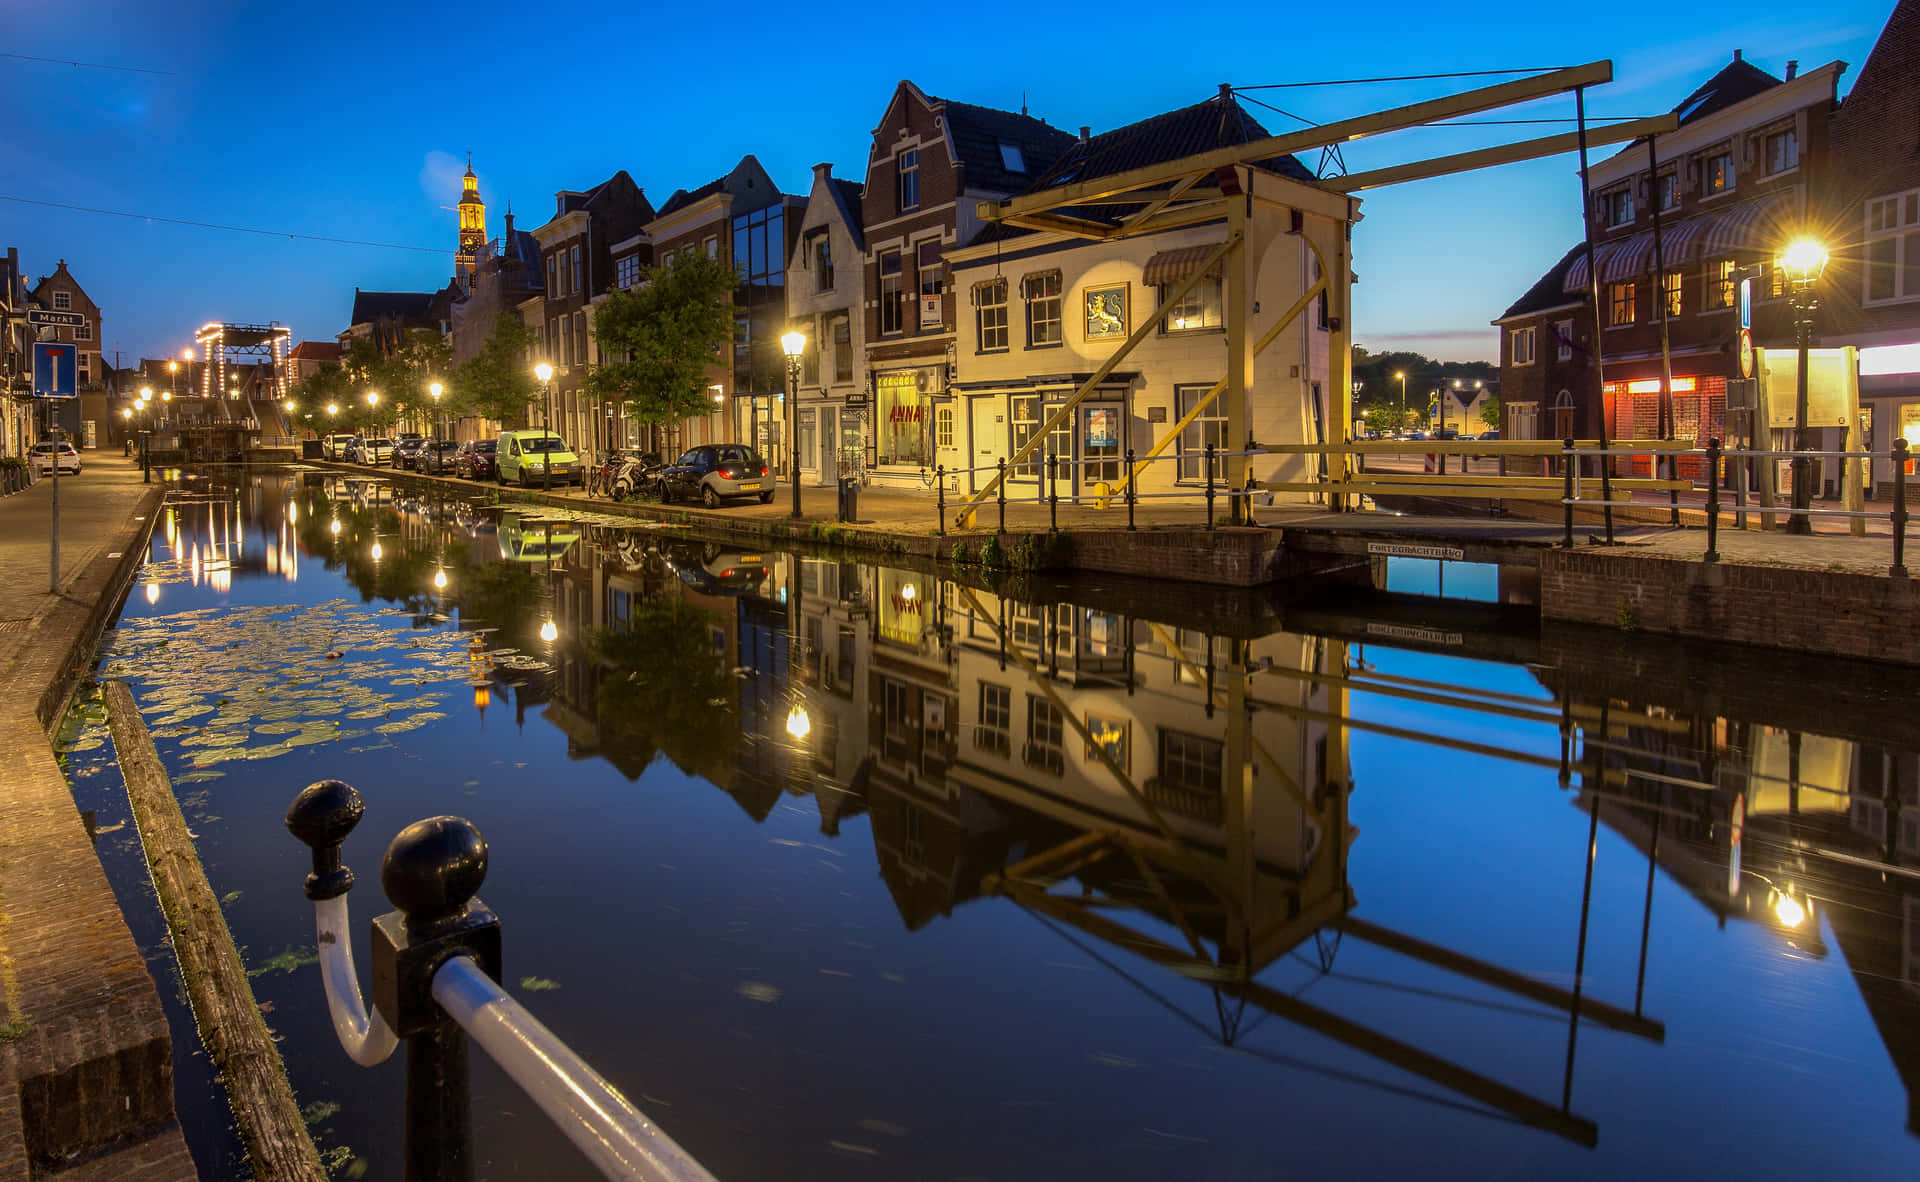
(1802, 262)
(1401, 377)
(436, 389)
(544, 372)
(793, 344)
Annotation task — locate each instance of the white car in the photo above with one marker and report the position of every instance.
(43, 458)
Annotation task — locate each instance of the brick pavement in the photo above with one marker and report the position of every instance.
(87, 1066)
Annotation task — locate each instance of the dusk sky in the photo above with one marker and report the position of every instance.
(352, 121)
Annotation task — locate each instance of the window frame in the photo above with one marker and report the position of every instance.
(820, 259)
(892, 292)
(1671, 290)
(1898, 233)
(1191, 455)
(906, 168)
(1034, 308)
(1706, 162)
(1523, 341)
(1623, 298)
(1721, 290)
(62, 301)
(1789, 134)
(1667, 183)
(1211, 316)
(983, 310)
(1617, 206)
(1563, 340)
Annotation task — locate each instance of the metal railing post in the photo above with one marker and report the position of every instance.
(1210, 485)
(1001, 486)
(1131, 481)
(940, 499)
(1900, 452)
(1566, 493)
(1053, 492)
(1673, 494)
(1713, 501)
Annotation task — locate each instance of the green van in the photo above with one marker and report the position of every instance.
(524, 456)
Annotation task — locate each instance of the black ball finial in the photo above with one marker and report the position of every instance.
(433, 868)
(321, 817)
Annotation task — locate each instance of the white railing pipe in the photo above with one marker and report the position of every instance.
(367, 1040)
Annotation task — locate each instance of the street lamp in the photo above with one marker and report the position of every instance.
(793, 344)
(436, 389)
(1802, 262)
(544, 372)
(1401, 377)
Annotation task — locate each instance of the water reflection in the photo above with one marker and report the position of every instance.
(1166, 784)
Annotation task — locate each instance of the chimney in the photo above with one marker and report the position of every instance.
(1226, 92)
(822, 173)
(1736, 55)
(1084, 132)
(1793, 69)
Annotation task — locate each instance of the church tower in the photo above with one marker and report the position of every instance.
(473, 226)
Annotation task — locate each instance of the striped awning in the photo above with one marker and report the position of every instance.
(1628, 258)
(1577, 274)
(1751, 225)
(1171, 266)
(1678, 240)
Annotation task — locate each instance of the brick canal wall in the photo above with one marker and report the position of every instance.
(1839, 613)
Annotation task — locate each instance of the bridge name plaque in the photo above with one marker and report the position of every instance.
(1415, 550)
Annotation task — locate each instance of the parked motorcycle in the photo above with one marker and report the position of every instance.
(635, 474)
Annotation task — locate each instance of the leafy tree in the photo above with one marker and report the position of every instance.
(665, 334)
(498, 382)
(1490, 412)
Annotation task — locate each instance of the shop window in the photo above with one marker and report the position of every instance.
(902, 409)
(1100, 437)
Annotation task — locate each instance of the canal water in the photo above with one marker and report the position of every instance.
(843, 870)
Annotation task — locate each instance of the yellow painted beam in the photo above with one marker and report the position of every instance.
(1552, 145)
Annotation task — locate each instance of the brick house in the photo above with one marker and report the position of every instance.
(931, 161)
(507, 272)
(16, 358)
(576, 265)
(61, 292)
(1729, 187)
(1870, 295)
(827, 300)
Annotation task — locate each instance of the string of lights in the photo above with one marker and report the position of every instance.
(55, 61)
(149, 217)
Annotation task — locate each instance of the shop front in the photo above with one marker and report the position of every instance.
(1089, 446)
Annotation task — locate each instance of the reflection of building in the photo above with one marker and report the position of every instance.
(826, 299)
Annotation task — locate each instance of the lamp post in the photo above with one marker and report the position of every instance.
(1401, 423)
(544, 373)
(173, 372)
(436, 389)
(793, 344)
(1802, 262)
(186, 355)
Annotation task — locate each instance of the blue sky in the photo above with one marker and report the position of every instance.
(352, 121)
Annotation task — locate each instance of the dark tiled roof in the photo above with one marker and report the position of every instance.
(978, 133)
(316, 351)
(847, 196)
(682, 198)
(372, 306)
(1549, 291)
(1737, 81)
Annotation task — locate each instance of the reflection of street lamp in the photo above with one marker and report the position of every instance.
(333, 527)
(793, 344)
(439, 580)
(1788, 910)
(1802, 261)
(544, 372)
(548, 632)
(798, 724)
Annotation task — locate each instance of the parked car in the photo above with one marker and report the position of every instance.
(46, 455)
(334, 447)
(474, 460)
(712, 569)
(375, 451)
(715, 473)
(533, 457)
(406, 449)
(435, 457)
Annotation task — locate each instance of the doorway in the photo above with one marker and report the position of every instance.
(828, 438)
(987, 418)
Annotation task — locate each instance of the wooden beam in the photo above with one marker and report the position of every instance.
(1173, 193)
(1342, 131)
(1552, 145)
(1060, 223)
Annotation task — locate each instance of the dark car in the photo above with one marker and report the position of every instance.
(717, 472)
(436, 457)
(406, 450)
(474, 461)
(713, 569)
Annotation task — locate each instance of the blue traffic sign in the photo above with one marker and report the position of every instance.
(53, 370)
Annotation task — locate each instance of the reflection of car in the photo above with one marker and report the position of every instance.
(533, 457)
(712, 570)
(435, 456)
(46, 455)
(334, 447)
(406, 449)
(717, 472)
(523, 540)
(474, 461)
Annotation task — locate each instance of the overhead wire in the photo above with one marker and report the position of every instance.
(148, 217)
(56, 61)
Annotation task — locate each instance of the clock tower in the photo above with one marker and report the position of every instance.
(473, 225)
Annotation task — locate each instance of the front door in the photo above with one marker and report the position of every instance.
(988, 438)
(829, 438)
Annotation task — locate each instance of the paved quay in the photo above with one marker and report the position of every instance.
(86, 1078)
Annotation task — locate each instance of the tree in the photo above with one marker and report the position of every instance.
(498, 382)
(665, 334)
(1490, 412)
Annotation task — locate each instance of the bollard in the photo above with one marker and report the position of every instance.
(940, 499)
(1209, 486)
(1053, 493)
(1713, 501)
(1899, 568)
(1130, 491)
(1001, 486)
(1566, 495)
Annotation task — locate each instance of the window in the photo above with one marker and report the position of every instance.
(83, 331)
(577, 285)
(901, 430)
(891, 320)
(996, 719)
(62, 301)
(842, 350)
(908, 164)
(943, 426)
(711, 246)
(553, 290)
(1720, 283)
(1200, 310)
(1893, 247)
(1616, 207)
(627, 272)
(1670, 292)
(990, 314)
(1563, 340)
(1209, 427)
(1025, 422)
(1620, 304)
(1668, 186)
(80, 365)
(1044, 728)
(1010, 157)
(821, 256)
(580, 337)
(1782, 151)
(1042, 294)
(1522, 346)
(1716, 172)
(927, 271)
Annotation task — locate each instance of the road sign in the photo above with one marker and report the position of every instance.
(1746, 304)
(41, 318)
(1746, 353)
(53, 366)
